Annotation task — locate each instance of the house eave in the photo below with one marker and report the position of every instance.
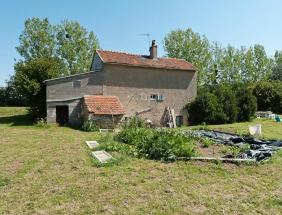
(69, 76)
(154, 67)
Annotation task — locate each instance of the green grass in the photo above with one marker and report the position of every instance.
(51, 171)
(270, 128)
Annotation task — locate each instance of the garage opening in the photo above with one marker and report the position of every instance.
(62, 115)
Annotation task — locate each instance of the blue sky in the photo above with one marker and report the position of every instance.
(117, 24)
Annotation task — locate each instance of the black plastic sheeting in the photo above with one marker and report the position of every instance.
(258, 149)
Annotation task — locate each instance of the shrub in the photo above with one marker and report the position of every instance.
(157, 144)
(205, 108)
(226, 104)
(41, 122)
(269, 96)
(134, 122)
(227, 98)
(90, 126)
(247, 104)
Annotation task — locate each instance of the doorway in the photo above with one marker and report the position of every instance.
(179, 121)
(62, 115)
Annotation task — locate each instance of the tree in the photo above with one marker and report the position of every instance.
(189, 46)
(75, 48)
(68, 43)
(276, 73)
(269, 95)
(49, 52)
(261, 63)
(217, 64)
(37, 40)
(10, 97)
(28, 79)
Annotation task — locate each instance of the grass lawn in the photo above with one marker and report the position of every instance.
(51, 171)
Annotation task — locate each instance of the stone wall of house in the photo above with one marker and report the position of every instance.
(106, 121)
(61, 92)
(134, 86)
(64, 89)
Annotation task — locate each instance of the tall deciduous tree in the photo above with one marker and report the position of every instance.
(69, 43)
(189, 46)
(217, 64)
(50, 52)
(37, 40)
(276, 73)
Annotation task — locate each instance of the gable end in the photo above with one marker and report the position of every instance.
(97, 63)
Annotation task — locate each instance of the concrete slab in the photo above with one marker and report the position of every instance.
(92, 144)
(102, 156)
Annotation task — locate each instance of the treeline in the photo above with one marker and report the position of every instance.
(8, 97)
(225, 74)
(233, 83)
(218, 64)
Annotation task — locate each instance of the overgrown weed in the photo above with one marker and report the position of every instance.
(42, 122)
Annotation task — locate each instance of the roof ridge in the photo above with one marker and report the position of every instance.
(139, 54)
(99, 96)
(173, 58)
(121, 52)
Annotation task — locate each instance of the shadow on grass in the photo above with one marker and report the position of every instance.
(17, 120)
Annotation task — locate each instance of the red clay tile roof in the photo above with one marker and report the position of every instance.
(103, 105)
(112, 57)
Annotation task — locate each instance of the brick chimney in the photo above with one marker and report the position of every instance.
(154, 51)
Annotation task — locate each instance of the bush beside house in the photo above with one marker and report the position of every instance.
(222, 104)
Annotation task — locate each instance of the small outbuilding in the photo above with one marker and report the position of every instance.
(106, 111)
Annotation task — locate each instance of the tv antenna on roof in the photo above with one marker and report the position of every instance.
(148, 35)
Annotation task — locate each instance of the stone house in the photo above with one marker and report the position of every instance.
(121, 85)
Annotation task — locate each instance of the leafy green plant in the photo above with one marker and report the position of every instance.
(269, 95)
(90, 126)
(222, 104)
(247, 104)
(205, 108)
(108, 144)
(217, 162)
(157, 144)
(207, 142)
(203, 126)
(134, 122)
(224, 150)
(234, 150)
(41, 122)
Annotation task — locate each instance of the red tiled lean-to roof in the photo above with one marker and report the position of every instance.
(112, 57)
(103, 105)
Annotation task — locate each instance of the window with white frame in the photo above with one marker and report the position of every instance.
(161, 97)
(76, 84)
(153, 97)
(143, 97)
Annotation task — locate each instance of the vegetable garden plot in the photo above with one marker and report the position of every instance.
(258, 149)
